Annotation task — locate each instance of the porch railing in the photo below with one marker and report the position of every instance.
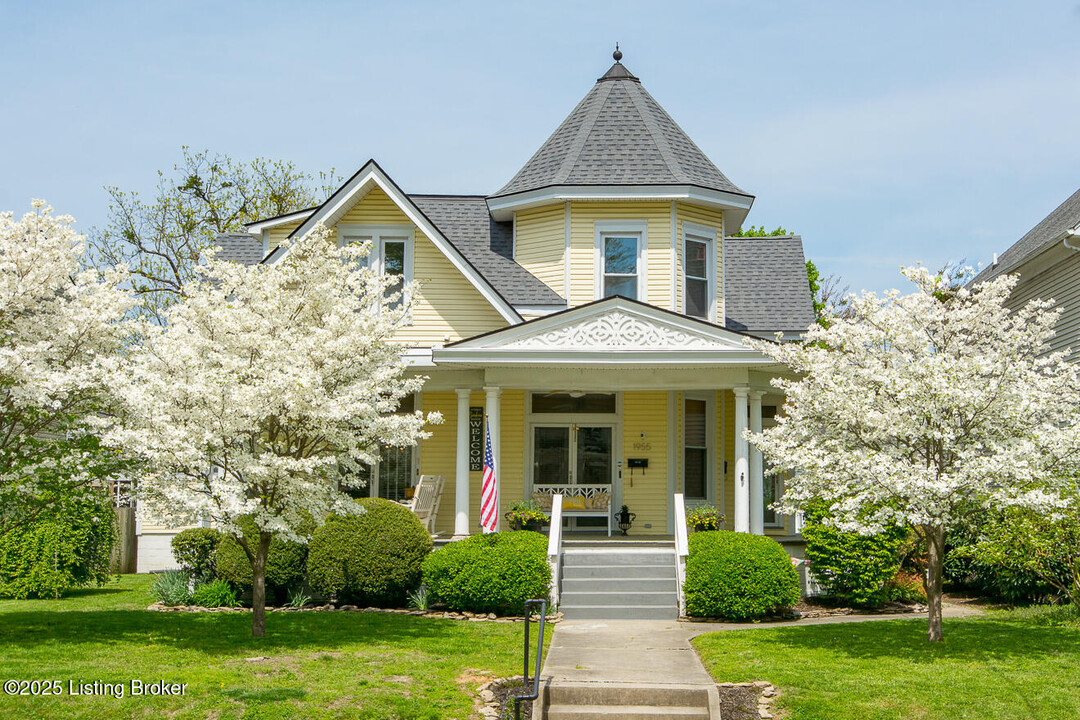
(554, 550)
(682, 549)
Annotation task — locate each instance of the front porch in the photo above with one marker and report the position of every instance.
(612, 404)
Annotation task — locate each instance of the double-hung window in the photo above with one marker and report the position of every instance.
(620, 254)
(699, 271)
(391, 253)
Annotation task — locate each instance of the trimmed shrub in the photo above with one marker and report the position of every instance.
(172, 587)
(194, 549)
(905, 587)
(64, 548)
(369, 559)
(495, 573)
(216, 593)
(284, 562)
(738, 576)
(850, 567)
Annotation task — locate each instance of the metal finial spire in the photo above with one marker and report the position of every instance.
(617, 54)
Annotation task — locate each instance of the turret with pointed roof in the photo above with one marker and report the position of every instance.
(618, 135)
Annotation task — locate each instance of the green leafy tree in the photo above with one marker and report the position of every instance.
(760, 231)
(1046, 545)
(207, 194)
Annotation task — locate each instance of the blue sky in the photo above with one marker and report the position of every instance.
(884, 134)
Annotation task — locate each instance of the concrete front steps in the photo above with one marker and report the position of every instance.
(631, 701)
(624, 580)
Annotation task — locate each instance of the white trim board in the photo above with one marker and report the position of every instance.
(370, 176)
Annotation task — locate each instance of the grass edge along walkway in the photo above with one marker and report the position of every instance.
(1004, 665)
(317, 665)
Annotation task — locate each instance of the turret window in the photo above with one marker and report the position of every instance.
(698, 272)
(620, 260)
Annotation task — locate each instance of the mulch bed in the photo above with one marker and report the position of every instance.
(809, 608)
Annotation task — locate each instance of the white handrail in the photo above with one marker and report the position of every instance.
(682, 549)
(554, 550)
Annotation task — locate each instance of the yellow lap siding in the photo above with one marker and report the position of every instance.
(540, 244)
(583, 257)
(279, 233)
(712, 219)
(447, 307)
(646, 492)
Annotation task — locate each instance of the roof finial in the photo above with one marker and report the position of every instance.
(617, 54)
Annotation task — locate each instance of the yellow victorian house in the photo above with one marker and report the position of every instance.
(595, 310)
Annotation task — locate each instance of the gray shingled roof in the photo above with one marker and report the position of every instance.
(765, 285)
(1065, 217)
(618, 135)
(240, 247)
(488, 245)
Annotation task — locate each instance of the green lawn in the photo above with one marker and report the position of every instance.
(1008, 665)
(321, 665)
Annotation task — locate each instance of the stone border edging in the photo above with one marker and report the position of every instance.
(767, 692)
(331, 607)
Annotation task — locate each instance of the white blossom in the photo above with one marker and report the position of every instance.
(918, 409)
(264, 380)
(62, 332)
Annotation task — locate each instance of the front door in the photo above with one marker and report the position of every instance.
(578, 456)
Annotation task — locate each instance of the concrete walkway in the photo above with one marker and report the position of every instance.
(604, 661)
(624, 651)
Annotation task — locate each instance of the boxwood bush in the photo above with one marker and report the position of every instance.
(194, 550)
(284, 562)
(495, 573)
(369, 559)
(738, 576)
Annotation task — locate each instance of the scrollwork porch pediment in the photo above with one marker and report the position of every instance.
(619, 330)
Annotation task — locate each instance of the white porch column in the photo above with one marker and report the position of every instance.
(757, 505)
(494, 395)
(461, 473)
(742, 464)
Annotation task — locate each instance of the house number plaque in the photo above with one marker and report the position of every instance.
(476, 439)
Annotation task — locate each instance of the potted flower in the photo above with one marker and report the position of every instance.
(526, 515)
(704, 517)
(625, 518)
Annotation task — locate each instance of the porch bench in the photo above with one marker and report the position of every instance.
(578, 500)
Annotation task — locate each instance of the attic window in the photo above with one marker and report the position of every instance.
(620, 256)
(391, 252)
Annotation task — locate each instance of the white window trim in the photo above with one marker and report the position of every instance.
(373, 484)
(379, 234)
(710, 448)
(707, 235)
(624, 228)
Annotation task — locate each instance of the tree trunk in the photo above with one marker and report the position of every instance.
(935, 556)
(258, 586)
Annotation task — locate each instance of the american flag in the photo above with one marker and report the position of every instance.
(489, 493)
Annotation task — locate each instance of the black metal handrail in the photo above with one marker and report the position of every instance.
(529, 605)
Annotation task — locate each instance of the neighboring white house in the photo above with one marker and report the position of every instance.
(1047, 259)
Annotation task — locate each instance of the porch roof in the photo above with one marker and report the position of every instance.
(611, 332)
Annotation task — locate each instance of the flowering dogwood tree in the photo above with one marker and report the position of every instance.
(265, 380)
(917, 409)
(61, 332)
